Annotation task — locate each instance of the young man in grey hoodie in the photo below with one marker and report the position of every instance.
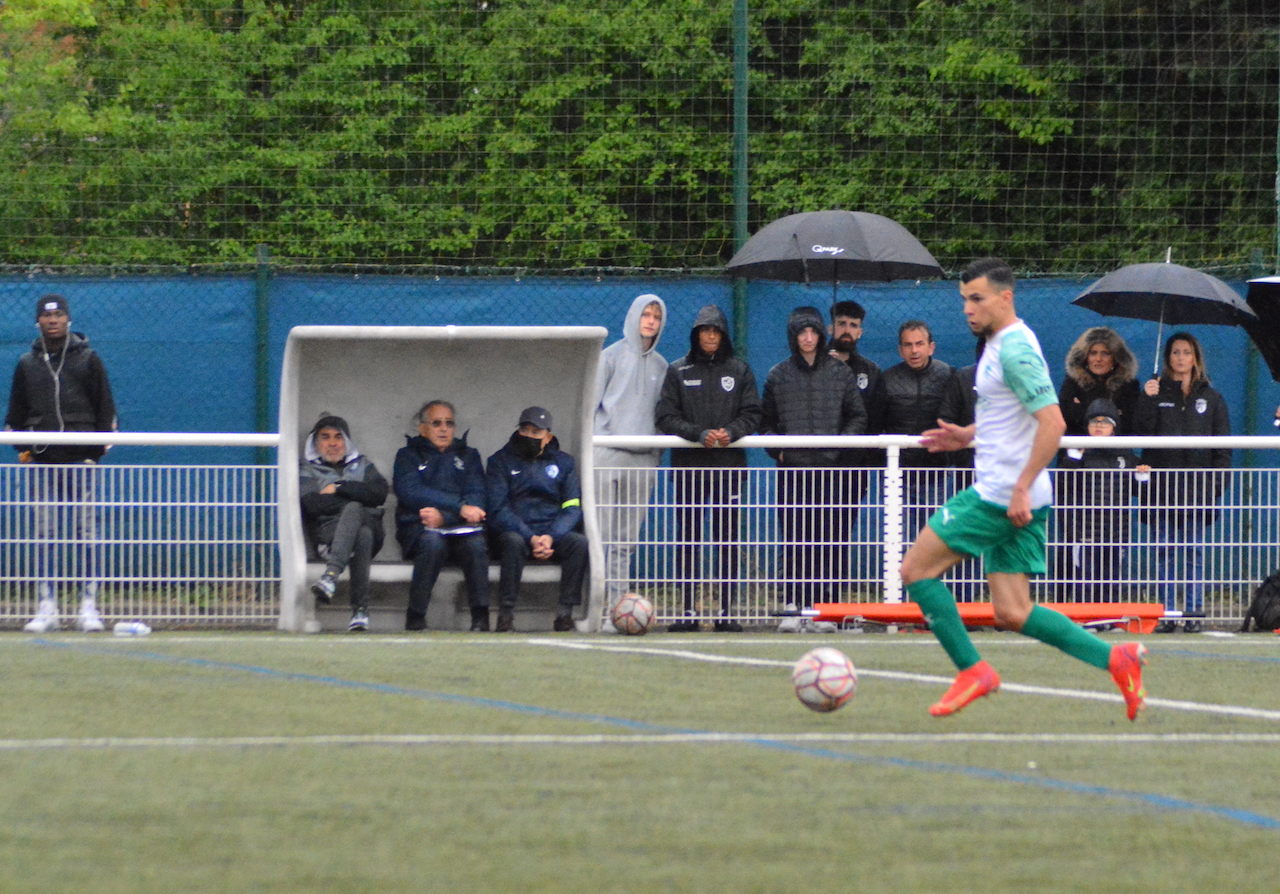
(628, 382)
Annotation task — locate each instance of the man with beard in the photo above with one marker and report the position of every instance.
(1003, 517)
(535, 510)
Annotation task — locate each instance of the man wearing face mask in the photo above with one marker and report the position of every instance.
(535, 511)
(61, 385)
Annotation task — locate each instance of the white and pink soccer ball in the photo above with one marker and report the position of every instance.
(824, 679)
(632, 615)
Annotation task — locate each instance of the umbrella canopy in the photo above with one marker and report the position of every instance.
(834, 247)
(1264, 300)
(1168, 293)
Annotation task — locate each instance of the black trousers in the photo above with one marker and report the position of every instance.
(570, 551)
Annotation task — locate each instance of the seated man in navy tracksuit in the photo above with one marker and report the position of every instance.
(535, 510)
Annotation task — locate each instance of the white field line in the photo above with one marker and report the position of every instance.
(449, 740)
(931, 679)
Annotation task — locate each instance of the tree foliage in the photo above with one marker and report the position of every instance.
(547, 134)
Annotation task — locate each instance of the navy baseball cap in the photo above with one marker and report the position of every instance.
(536, 416)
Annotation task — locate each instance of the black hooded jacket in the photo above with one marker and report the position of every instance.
(800, 399)
(703, 392)
(64, 391)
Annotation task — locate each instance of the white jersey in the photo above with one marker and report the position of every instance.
(1012, 382)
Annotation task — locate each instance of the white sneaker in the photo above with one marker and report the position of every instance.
(606, 626)
(43, 622)
(90, 621)
(820, 627)
(791, 625)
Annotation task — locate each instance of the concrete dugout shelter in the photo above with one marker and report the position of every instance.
(376, 377)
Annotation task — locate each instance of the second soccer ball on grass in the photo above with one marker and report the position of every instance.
(632, 614)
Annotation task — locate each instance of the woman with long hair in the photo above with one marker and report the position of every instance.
(1186, 482)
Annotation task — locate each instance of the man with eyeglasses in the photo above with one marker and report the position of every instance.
(439, 485)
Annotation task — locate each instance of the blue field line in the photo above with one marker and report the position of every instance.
(1159, 802)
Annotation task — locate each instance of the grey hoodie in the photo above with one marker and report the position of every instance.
(628, 382)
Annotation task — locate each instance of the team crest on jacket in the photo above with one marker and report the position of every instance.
(727, 383)
(458, 463)
(862, 381)
(553, 471)
(1201, 405)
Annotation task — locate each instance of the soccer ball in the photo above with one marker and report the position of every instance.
(824, 679)
(632, 614)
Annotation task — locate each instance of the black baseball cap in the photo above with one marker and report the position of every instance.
(536, 416)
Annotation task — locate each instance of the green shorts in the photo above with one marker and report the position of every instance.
(971, 526)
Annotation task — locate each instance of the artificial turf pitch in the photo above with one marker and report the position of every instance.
(450, 762)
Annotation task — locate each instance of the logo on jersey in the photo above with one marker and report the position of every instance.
(553, 471)
(1201, 405)
(863, 381)
(727, 383)
(458, 463)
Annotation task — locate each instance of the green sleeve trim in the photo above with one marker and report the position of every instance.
(1026, 374)
(570, 503)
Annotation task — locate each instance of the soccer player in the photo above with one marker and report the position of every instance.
(1003, 516)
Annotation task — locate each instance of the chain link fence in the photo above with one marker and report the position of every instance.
(1068, 138)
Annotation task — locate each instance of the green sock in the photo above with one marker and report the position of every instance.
(1062, 633)
(940, 611)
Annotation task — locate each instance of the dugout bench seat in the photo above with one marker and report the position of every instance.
(376, 377)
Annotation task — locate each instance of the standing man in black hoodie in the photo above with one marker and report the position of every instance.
(811, 393)
(61, 385)
(709, 397)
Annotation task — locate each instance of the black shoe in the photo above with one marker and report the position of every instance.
(563, 624)
(727, 626)
(506, 621)
(689, 626)
(1193, 626)
(480, 620)
(415, 622)
(1166, 627)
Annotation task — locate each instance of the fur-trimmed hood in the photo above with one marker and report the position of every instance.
(1126, 368)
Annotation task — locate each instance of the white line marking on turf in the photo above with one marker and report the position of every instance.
(932, 679)
(445, 739)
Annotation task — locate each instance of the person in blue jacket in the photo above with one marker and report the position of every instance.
(439, 485)
(535, 511)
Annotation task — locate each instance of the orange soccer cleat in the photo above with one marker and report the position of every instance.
(971, 683)
(1126, 669)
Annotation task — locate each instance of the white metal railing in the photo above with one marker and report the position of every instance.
(197, 544)
(781, 541)
(174, 545)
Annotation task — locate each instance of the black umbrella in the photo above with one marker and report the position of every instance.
(1169, 293)
(834, 247)
(1264, 300)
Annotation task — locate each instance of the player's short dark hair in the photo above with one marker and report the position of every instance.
(915, 324)
(997, 272)
(851, 309)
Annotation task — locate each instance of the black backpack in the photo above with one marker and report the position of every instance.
(1264, 611)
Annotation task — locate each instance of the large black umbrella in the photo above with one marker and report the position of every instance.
(1169, 293)
(834, 247)
(1264, 300)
